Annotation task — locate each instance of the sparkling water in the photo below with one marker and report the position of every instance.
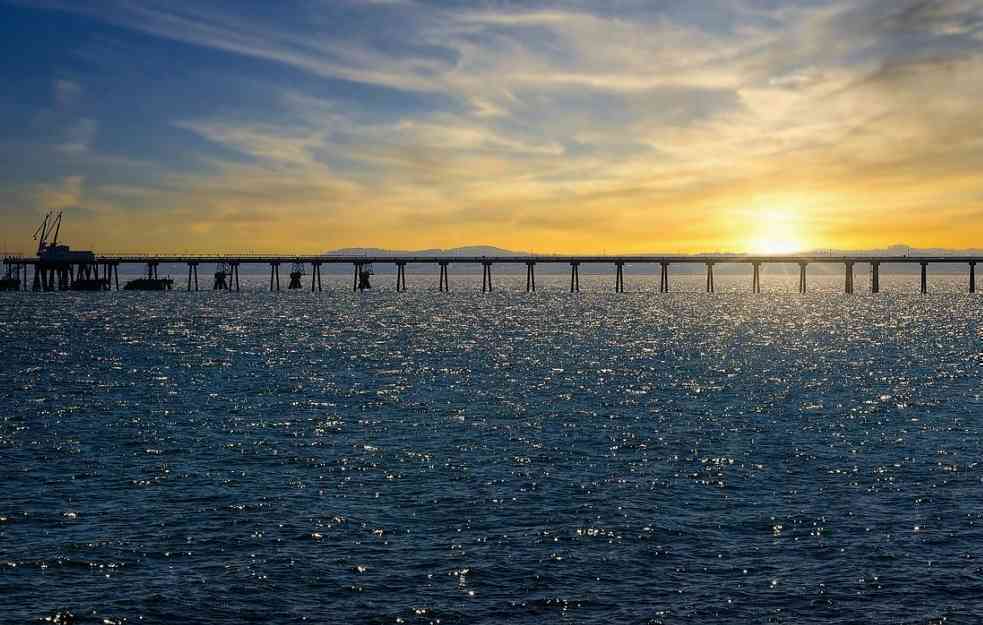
(461, 457)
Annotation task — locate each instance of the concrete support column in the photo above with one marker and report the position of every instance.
(486, 277)
(848, 286)
(924, 277)
(756, 278)
(972, 277)
(875, 277)
(710, 287)
(530, 276)
(444, 282)
(802, 278)
(400, 277)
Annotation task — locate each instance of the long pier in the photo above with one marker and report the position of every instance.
(104, 269)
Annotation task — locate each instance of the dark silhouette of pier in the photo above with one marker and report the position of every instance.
(48, 274)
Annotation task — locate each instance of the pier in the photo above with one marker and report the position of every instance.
(101, 272)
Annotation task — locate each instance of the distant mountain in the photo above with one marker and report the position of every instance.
(471, 250)
(492, 251)
(899, 249)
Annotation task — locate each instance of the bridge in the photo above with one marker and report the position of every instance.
(103, 270)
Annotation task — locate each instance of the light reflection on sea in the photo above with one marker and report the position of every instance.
(463, 458)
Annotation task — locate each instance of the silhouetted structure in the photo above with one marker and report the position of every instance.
(225, 273)
(363, 275)
(152, 281)
(296, 271)
(11, 276)
(58, 267)
(59, 270)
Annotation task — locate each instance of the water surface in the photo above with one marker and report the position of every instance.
(500, 458)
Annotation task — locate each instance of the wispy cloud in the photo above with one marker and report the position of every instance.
(571, 119)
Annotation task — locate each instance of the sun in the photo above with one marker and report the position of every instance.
(778, 227)
(776, 246)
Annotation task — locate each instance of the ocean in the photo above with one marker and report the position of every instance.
(461, 457)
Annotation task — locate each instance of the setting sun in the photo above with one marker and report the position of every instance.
(776, 246)
(778, 226)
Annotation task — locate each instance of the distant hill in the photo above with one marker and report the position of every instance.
(492, 251)
(471, 250)
(898, 250)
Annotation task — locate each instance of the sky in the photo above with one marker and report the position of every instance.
(623, 126)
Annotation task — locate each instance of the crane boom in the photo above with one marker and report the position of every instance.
(41, 234)
(54, 240)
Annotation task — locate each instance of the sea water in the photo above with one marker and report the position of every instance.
(427, 457)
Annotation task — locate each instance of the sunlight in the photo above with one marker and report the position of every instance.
(778, 226)
(776, 246)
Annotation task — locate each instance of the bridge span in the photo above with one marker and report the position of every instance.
(35, 273)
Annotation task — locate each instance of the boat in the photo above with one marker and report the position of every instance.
(149, 284)
(89, 284)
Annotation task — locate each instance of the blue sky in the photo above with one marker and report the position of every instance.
(549, 126)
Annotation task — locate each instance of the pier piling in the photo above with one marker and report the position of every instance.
(848, 285)
(619, 277)
(664, 278)
(486, 277)
(710, 286)
(924, 277)
(316, 276)
(972, 277)
(756, 278)
(802, 278)
(875, 277)
(400, 277)
(530, 276)
(575, 277)
(444, 285)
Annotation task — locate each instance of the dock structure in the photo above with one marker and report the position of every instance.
(51, 274)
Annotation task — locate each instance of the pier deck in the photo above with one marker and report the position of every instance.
(61, 276)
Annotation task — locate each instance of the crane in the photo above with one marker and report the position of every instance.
(41, 234)
(45, 230)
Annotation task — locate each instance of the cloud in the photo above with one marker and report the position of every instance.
(66, 92)
(571, 120)
(79, 137)
(64, 193)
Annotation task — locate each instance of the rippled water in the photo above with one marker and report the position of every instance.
(504, 458)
